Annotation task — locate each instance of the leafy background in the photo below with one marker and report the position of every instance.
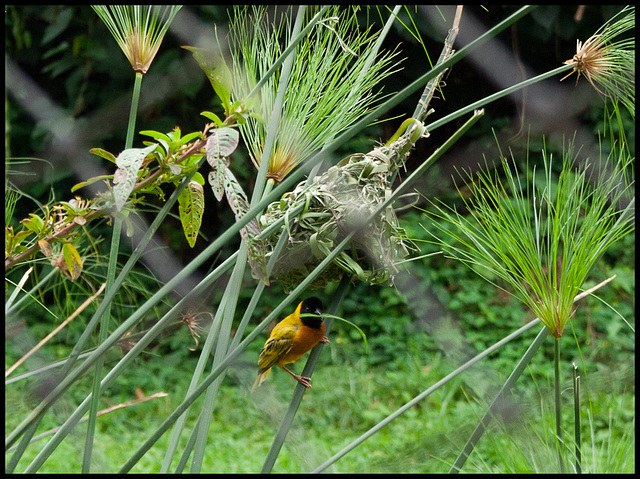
(438, 315)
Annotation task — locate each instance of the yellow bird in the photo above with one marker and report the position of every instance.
(291, 339)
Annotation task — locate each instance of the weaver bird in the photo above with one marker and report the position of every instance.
(291, 339)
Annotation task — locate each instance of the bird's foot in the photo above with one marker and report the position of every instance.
(305, 381)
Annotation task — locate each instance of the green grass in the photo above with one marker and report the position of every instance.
(346, 400)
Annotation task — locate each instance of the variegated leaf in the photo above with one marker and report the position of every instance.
(128, 162)
(240, 205)
(191, 208)
(216, 179)
(235, 194)
(222, 142)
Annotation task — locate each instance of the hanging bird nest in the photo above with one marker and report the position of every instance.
(334, 204)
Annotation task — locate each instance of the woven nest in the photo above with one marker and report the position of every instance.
(336, 203)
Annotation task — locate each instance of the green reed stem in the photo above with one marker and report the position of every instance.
(576, 415)
(558, 407)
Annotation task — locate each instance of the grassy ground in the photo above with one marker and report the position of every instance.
(346, 401)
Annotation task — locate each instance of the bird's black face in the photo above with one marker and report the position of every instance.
(311, 306)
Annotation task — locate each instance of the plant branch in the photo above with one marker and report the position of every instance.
(61, 233)
(422, 107)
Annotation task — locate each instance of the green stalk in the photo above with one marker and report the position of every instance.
(287, 420)
(111, 274)
(257, 292)
(231, 356)
(230, 302)
(236, 340)
(111, 376)
(130, 322)
(496, 96)
(112, 287)
(558, 408)
(10, 306)
(576, 415)
(29, 430)
(133, 113)
(138, 348)
(434, 72)
(108, 297)
(104, 331)
(486, 419)
(212, 335)
(104, 311)
(276, 113)
(260, 190)
(186, 453)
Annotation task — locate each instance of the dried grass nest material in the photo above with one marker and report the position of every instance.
(336, 202)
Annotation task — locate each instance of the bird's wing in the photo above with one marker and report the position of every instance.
(274, 349)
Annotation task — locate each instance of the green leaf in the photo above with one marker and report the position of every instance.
(103, 154)
(34, 223)
(213, 117)
(187, 138)
(198, 178)
(72, 260)
(90, 181)
(124, 179)
(156, 135)
(175, 134)
(165, 145)
(191, 208)
(217, 72)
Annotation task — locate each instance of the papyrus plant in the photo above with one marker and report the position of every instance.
(607, 59)
(332, 83)
(138, 29)
(538, 240)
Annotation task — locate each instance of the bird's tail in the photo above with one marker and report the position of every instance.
(262, 375)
